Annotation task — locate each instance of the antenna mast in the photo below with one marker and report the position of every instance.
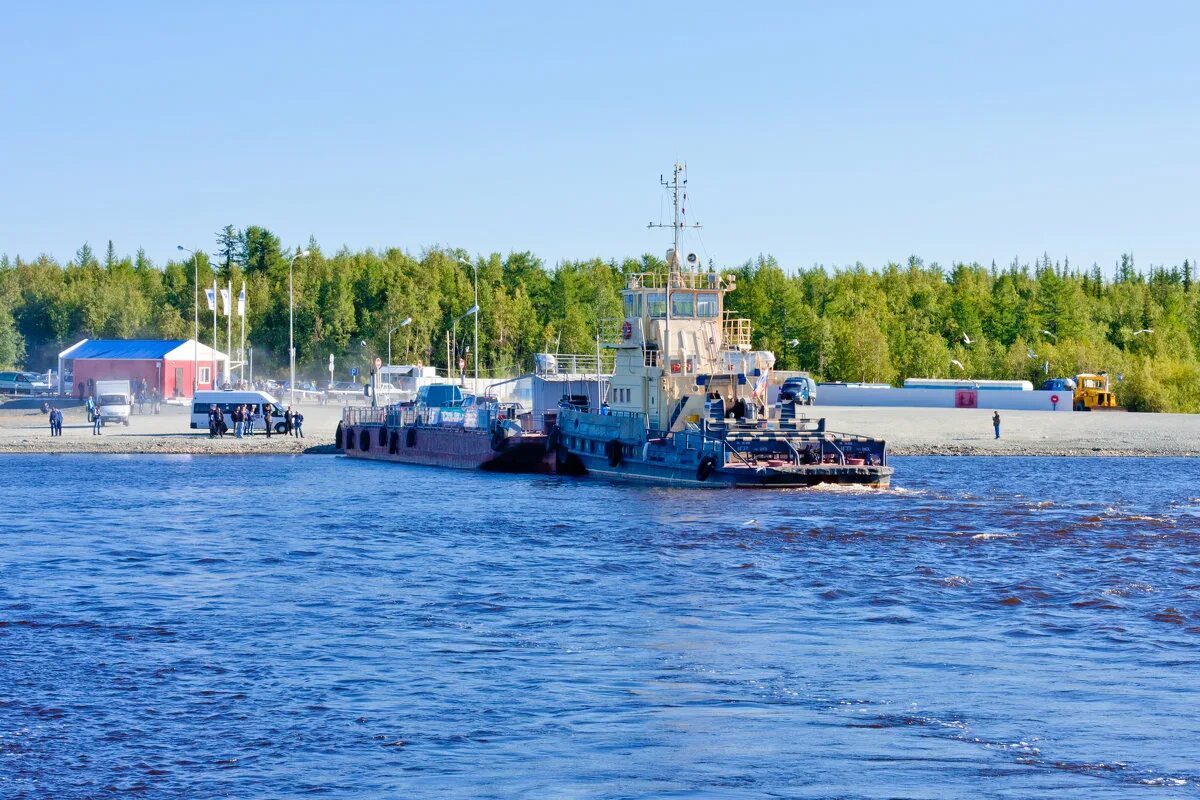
(678, 189)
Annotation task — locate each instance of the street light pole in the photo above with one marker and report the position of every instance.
(472, 310)
(195, 318)
(475, 270)
(291, 329)
(407, 321)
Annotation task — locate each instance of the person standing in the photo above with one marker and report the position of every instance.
(97, 421)
(267, 409)
(52, 421)
(221, 426)
(237, 421)
(996, 423)
(58, 419)
(297, 422)
(288, 416)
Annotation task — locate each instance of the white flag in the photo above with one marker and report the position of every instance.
(211, 296)
(242, 301)
(225, 304)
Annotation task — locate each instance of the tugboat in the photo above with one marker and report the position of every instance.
(688, 398)
(445, 429)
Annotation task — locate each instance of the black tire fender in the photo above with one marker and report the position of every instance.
(364, 440)
(349, 439)
(499, 440)
(410, 438)
(383, 437)
(394, 442)
(615, 453)
(338, 437)
(553, 439)
(706, 467)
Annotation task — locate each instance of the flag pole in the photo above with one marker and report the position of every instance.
(216, 299)
(242, 349)
(229, 321)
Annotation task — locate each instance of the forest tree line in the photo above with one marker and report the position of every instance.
(1018, 321)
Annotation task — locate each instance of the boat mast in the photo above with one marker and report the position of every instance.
(673, 273)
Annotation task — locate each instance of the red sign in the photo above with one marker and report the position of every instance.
(966, 398)
(378, 363)
(1054, 399)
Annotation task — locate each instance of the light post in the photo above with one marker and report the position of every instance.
(475, 270)
(291, 330)
(454, 338)
(195, 318)
(407, 321)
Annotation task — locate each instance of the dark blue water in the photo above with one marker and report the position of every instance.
(274, 627)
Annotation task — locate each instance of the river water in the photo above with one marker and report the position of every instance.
(279, 626)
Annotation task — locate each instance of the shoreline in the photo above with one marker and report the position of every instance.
(280, 445)
(908, 432)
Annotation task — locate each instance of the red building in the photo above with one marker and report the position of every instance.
(165, 365)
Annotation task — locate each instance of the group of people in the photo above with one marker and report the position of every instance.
(56, 419)
(247, 416)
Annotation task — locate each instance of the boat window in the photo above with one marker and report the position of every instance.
(706, 304)
(633, 306)
(683, 304)
(656, 304)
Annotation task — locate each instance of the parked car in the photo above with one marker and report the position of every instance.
(798, 389)
(23, 383)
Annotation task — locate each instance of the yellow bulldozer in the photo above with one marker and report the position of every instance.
(1092, 393)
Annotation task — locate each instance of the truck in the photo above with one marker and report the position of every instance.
(1092, 393)
(114, 399)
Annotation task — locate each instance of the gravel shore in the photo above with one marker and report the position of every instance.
(909, 431)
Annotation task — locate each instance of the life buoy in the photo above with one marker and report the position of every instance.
(410, 438)
(627, 330)
(364, 440)
(337, 437)
(394, 442)
(616, 453)
(382, 436)
(706, 467)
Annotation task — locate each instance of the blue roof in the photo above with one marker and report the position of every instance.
(133, 349)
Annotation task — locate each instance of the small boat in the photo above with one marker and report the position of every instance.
(442, 428)
(687, 398)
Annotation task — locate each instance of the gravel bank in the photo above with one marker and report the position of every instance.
(909, 431)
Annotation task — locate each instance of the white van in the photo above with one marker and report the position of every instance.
(227, 401)
(115, 402)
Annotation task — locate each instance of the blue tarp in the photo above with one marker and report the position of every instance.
(132, 349)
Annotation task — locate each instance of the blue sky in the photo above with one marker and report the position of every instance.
(818, 132)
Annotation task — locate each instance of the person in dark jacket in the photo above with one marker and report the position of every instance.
(287, 421)
(996, 423)
(297, 422)
(267, 409)
(97, 421)
(212, 422)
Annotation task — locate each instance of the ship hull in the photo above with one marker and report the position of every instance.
(802, 477)
(455, 448)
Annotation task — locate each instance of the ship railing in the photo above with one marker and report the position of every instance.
(358, 415)
(681, 280)
(573, 364)
(735, 331)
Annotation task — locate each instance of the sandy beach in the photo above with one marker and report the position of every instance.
(909, 431)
